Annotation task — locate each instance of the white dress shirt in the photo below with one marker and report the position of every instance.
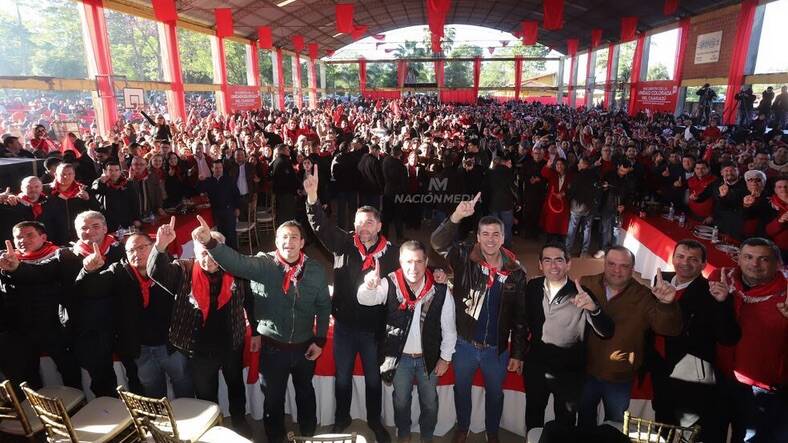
(378, 296)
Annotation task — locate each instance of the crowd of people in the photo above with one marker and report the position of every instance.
(81, 281)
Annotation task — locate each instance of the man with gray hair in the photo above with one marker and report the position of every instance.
(92, 317)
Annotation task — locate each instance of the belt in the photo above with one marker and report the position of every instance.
(412, 355)
(479, 345)
(282, 346)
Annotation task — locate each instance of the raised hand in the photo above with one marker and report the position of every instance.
(664, 291)
(83, 194)
(582, 300)
(202, 233)
(310, 185)
(465, 209)
(720, 289)
(165, 235)
(94, 261)
(723, 190)
(9, 260)
(372, 278)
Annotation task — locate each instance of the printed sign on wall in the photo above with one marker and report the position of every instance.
(707, 49)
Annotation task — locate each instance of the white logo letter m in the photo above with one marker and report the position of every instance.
(438, 184)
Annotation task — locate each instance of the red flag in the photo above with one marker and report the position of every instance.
(224, 22)
(491, 49)
(436, 15)
(518, 34)
(344, 13)
(264, 38)
(165, 11)
(553, 14)
(596, 37)
(313, 51)
(380, 37)
(298, 43)
(629, 26)
(670, 7)
(359, 31)
(530, 29)
(571, 47)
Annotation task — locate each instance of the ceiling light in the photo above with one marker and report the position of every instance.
(337, 34)
(284, 3)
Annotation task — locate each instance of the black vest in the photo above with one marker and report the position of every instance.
(398, 324)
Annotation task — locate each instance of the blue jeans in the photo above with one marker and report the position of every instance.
(155, 364)
(576, 221)
(615, 398)
(606, 227)
(468, 358)
(507, 217)
(347, 343)
(759, 416)
(408, 369)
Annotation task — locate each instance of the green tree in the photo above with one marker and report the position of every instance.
(381, 75)
(658, 72)
(459, 74)
(266, 67)
(134, 46)
(196, 58)
(235, 55)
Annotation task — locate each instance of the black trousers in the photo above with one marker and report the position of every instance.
(276, 366)
(21, 358)
(225, 223)
(284, 208)
(682, 403)
(566, 387)
(205, 376)
(94, 353)
(393, 213)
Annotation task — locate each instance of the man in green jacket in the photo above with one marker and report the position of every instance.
(291, 296)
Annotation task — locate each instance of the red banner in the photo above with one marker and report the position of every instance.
(657, 96)
(344, 13)
(571, 47)
(313, 51)
(362, 75)
(243, 98)
(165, 11)
(670, 7)
(264, 38)
(436, 15)
(359, 31)
(224, 22)
(553, 14)
(629, 26)
(596, 38)
(530, 30)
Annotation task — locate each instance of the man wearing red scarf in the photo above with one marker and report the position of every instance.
(414, 303)
(356, 327)
(91, 317)
(116, 198)
(292, 307)
(68, 197)
(31, 204)
(701, 193)
(209, 323)
(149, 188)
(489, 283)
(30, 317)
(755, 370)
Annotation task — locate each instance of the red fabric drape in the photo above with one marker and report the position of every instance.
(518, 76)
(738, 59)
(596, 38)
(99, 44)
(359, 31)
(571, 47)
(224, 22)
(629, 27)
(634, 76)
(362, 75)
(264, 37)
(678, 71)
(477, 71)
(280, 74)
(435, 43)
(176, 102)
(165, 10)
(436, 15)
(571, 50)
(298, 90)
(402, 69)
(298, 43)
(344, 16)
(553, 14)
(255, 62)
(530, 30)
(224, 102)
(314, 50)
(464, 96)
(670, 7)
(609, 76)
(312, 81)
(439, 78)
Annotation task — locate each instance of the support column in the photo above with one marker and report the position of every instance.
(298, 96)
(220, 74)
(252, 65)
(95, 36)
(590, 78)
(279, 78)
(171, 65)
(636, 75)
(571, 82)
(312, 83)
(744, 25)
(559, 98)
(678, 72)
(518, 76)
(610, 83)
(323, 76)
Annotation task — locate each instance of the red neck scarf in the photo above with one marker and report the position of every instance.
(292, 270)
(84, 249)
(120, 184)
(34, 205)
(369, 257)
(492, 271)
(46, 250)
(409, 299)
(776, 202)
(201, 290)
(71, 192)
(141, 176)
(756, 294)
(145, 284)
